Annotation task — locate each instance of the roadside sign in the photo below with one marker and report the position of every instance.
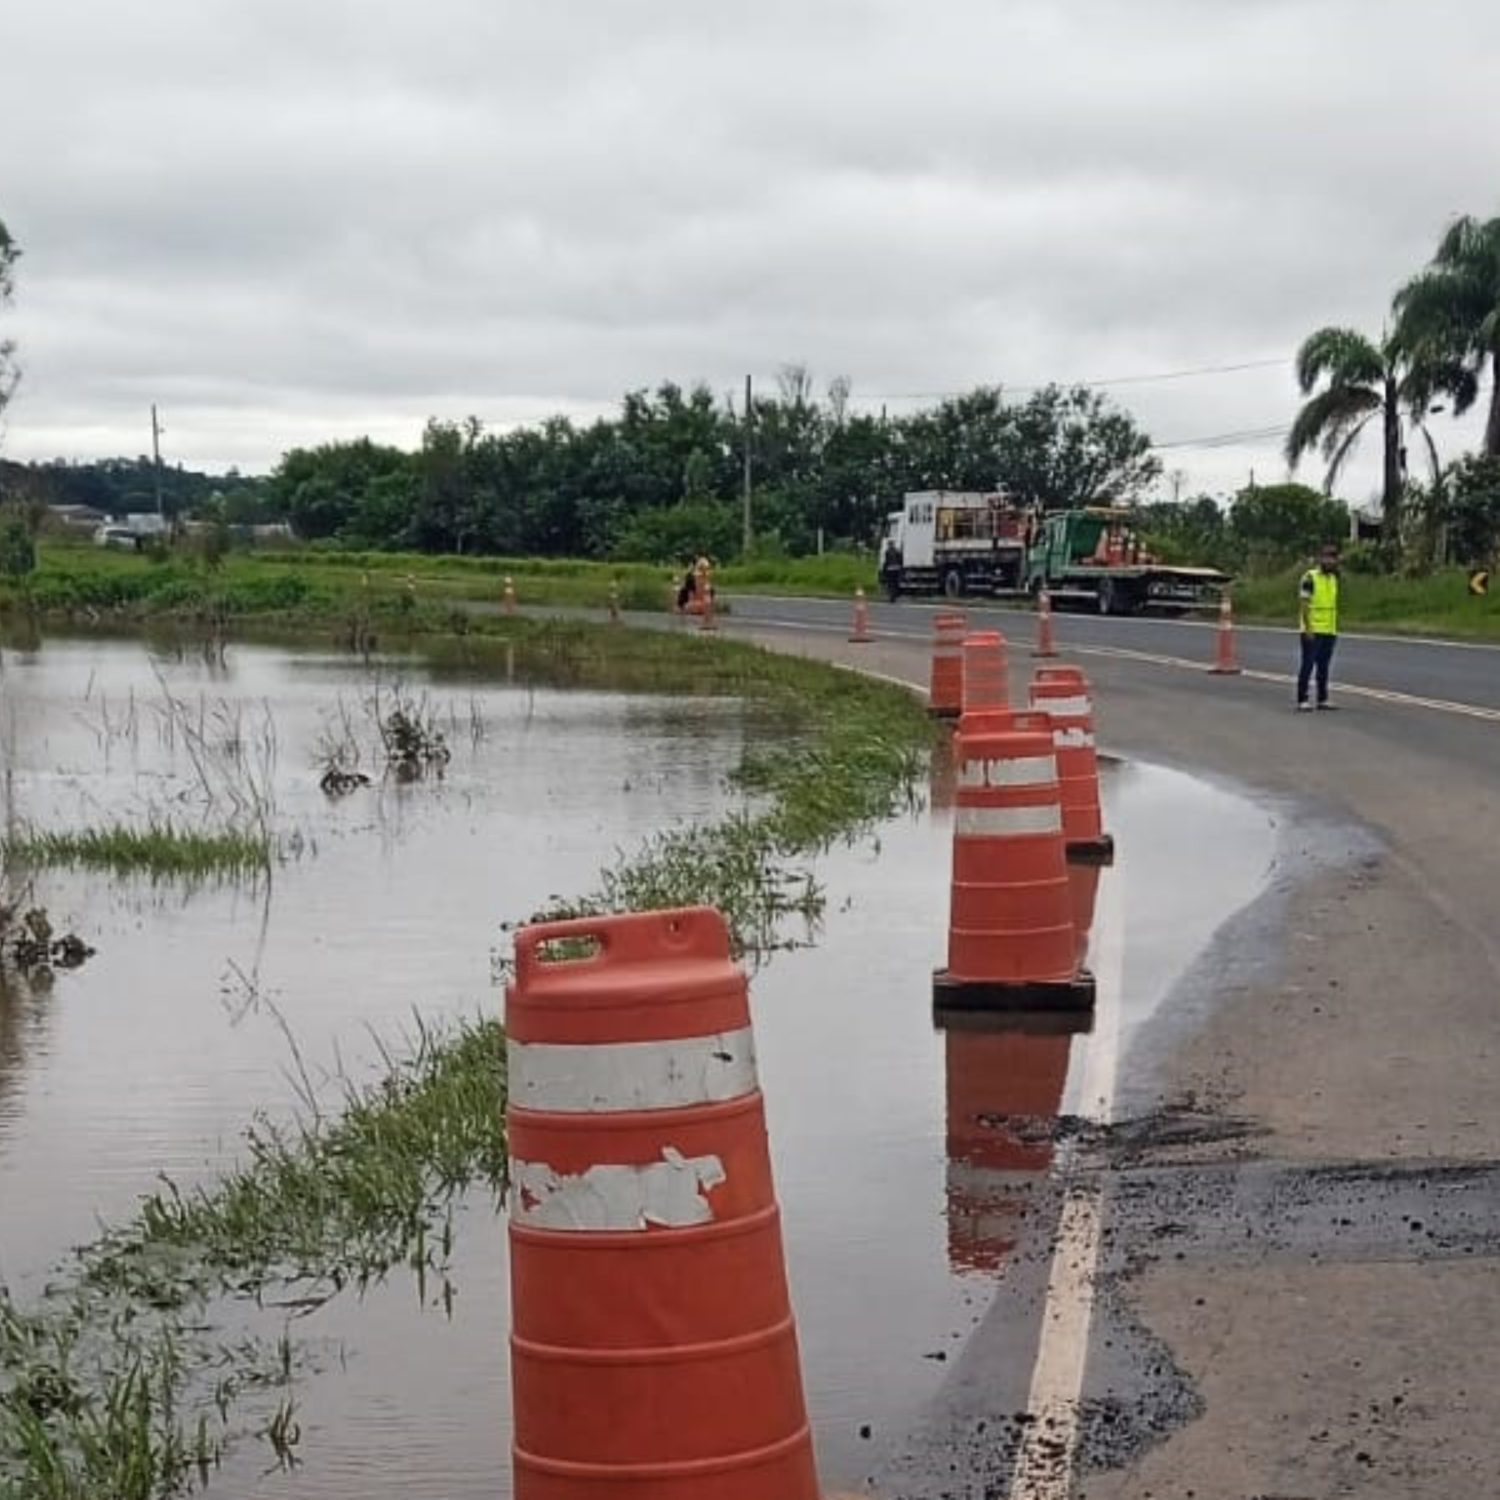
(1479, 581)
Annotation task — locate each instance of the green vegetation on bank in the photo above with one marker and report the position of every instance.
(1438, 604)
(423, 594)
(121, 1380)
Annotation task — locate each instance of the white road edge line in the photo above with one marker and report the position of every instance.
(1049, 1449)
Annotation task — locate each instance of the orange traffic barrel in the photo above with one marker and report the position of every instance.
(945, 696)
(653, 1350)
(1010, 933)
(1004, 1092)
(984, 686)
(1063, 695)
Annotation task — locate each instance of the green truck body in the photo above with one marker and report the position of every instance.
(1094, 558)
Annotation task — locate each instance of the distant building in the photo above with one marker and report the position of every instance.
(81, 518)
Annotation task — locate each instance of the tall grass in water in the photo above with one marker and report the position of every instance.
(160, 850)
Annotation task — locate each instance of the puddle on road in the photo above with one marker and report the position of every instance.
(914, 1192)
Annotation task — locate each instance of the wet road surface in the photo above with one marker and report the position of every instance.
(1460, 672)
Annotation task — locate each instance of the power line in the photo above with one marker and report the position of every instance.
(1244, 435)
(1112, 380)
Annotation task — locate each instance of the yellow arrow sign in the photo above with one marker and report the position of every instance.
(1479, 581)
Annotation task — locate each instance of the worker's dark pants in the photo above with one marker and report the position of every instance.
(1317, 653)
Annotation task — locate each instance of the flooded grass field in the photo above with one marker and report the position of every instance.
(211, 998)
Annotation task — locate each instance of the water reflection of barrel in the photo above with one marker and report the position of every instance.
(1004, 1090)
(1083, 892)
(943, 773)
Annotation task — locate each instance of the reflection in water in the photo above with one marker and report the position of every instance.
(1004, 1088)
(23, 1019)
(943, 773)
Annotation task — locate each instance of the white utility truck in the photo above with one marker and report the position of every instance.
(954, 542)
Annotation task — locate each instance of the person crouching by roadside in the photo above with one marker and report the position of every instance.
(1318, 619)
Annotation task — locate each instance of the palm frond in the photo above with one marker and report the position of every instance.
(1327, 418)
(1340, 451)
(1344, 355)
(1434, 463)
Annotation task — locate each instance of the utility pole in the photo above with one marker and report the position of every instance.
(749, 409)
(156, 462)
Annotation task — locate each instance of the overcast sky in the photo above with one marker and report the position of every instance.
(287, 221)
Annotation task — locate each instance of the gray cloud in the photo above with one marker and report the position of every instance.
(285, 221)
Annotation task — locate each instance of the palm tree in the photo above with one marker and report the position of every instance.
(1361, 381)
(1450, 313)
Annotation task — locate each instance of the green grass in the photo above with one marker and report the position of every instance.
(307, 584)
(117, 1384)
(160, 850)
(1436, 605)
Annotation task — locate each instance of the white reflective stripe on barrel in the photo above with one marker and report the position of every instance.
(1002, 822)
(1025, 770)
(671, 1193)
(1061, 708)
(612, 1077)
(1072, 739)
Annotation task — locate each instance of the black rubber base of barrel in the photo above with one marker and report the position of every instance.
(1076, 994)
(1099, 851)
(944, 713)
(1029, 1022)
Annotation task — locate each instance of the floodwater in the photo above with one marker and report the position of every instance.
(154, 1056)
(904, 1210)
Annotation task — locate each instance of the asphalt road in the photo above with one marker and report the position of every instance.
(1458, 672)
(1312, 1284)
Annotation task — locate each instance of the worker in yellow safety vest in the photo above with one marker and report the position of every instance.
(1318, 618)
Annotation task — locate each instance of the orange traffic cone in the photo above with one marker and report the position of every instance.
(1062, 694)
(1045, 645)
(509, 597)
(653, 1350)
(1011, 943)
(946, 691)
(614, 604)
(860, 634)
(1225, 662)
(704, 597)
(985, 688)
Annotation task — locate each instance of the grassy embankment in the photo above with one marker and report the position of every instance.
(121, 1381)
(313, 585)
(82, 580)
(1437, 605)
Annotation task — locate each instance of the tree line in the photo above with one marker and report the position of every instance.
(664, 476)
(1440, 353)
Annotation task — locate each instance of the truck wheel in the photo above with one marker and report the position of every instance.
(953, 584)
